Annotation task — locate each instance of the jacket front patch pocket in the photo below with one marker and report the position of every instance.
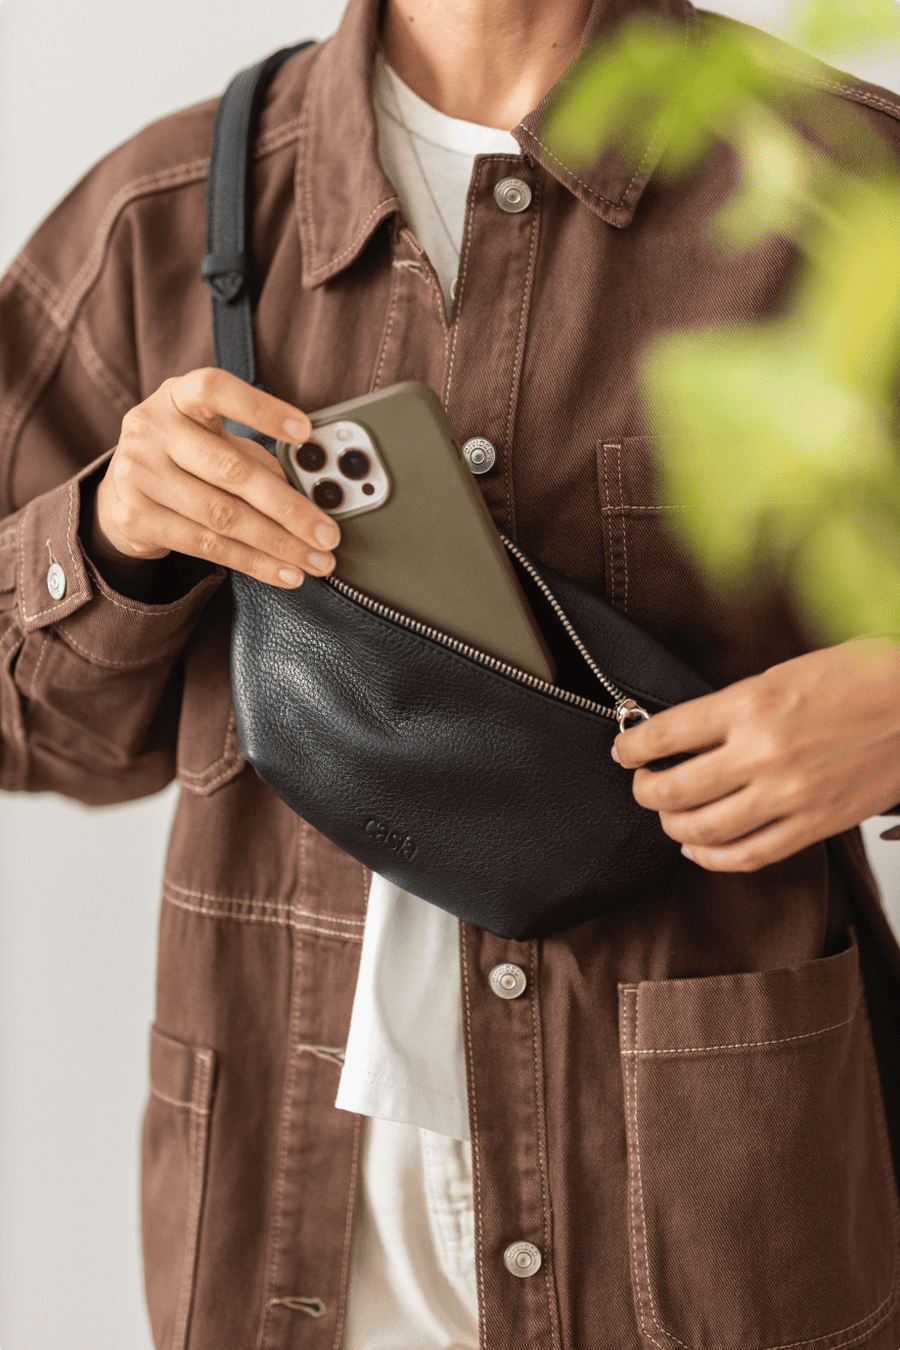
(763, 1210)
(176, 1131)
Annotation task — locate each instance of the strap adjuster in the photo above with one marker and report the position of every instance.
(225, 275)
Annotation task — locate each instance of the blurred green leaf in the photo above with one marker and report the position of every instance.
(846, 574)
(842, 25)
(777, 175)
(648, 77)
(760, 444)
(778, 439)
(849, 296)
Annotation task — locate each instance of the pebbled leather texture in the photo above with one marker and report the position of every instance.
(485, 797)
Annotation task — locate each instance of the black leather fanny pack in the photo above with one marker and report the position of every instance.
(479, 788)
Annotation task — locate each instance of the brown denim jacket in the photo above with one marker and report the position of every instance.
(682, 1111)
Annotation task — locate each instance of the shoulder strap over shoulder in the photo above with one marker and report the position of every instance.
(228, 268)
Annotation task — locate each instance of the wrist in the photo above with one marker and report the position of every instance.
(125, 573)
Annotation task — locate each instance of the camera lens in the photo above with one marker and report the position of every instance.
(328, 494)
(310, 457)
(354, 463)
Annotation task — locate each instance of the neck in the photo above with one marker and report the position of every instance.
(486, 61)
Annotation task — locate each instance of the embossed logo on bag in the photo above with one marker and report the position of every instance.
(395, 840)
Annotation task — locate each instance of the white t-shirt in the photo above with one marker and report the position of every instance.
(405, 1059)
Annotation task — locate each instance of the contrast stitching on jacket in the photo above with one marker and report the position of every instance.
(338, 257)
(624, 531)
(276, 137)
(174, 1101)
(38, 287)
(855, 92)
(236, 762)
(226, 757)
(45, 645)
(412, 265)
(570, 173)
(747, 1045)
(100, 373)
(10, 642)
(194, 171)
(297, 1303)
(540, 1121)
(617, 557)
(305, 127)
(221, 913)
(473, 1118)
(348, 1233)
(47, 355)
(264, 904)
(284, 1141)
(51, 609)
(105, 662)
(637, 1192)
(460, 287)
(386, 333)
(519, 356)
(645, 510)
(198, 1135)
(335, 1054)
(871, 1322)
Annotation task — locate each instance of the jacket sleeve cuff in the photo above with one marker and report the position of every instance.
(58, 585)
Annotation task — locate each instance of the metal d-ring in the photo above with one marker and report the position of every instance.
(629, 711)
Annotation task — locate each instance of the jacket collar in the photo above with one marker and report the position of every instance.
(341, 192)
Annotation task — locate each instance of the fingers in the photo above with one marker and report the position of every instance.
(234, 466)
(691, 726)
(209, 395)
(178, 481)
(721, 822)
(179, 511)
(706, 778)
(268, 564)
(772, 844)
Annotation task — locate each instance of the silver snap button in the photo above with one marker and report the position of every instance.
(522, 1259)
(512, 195)
(479, 454)
(507, 981)
(56, 581)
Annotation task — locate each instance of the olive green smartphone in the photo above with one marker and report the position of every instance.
(415, 532)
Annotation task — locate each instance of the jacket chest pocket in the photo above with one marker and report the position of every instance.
(650, 577)
(763, 1209)
(209, 754)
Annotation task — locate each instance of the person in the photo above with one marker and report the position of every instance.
(669, 1129)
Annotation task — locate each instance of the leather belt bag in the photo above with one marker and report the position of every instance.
(479, 788)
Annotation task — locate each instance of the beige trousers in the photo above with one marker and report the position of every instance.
(412, 1278)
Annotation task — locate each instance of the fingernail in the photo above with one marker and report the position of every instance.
(615, 754)
(289, 576)
(688, 853)
(322, 560)
(328, 535)
(297, 431)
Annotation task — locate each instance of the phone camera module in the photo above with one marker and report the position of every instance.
(328, 494)
(354, 464)
(310, 457)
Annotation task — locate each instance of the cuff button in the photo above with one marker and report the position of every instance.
(56, 581)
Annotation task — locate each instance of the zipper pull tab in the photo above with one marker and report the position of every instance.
(629, 711)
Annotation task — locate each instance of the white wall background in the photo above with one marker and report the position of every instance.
(78, 889)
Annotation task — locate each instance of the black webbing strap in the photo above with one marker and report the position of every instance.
(228, 268)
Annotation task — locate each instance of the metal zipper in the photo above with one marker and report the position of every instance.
(625, 709)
